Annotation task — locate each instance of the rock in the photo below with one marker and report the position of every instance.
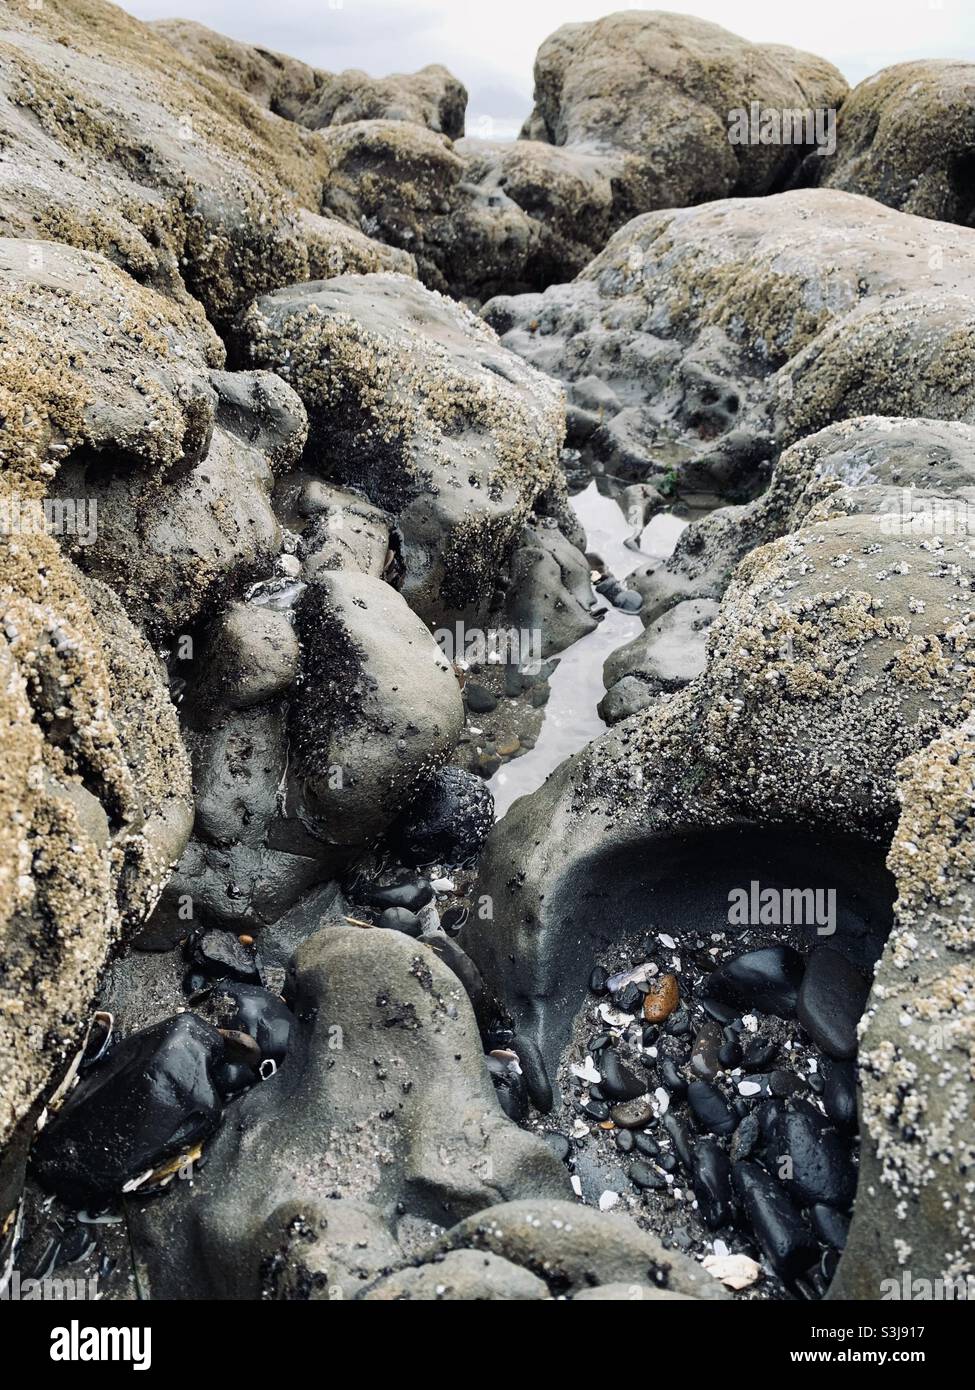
(642, 1175)
(251, 656)
(712, 1183)
(906, 138)
(538, 1085)
(258, 1012)
(314, 98)
(759, 1052)
(767, 979)
(377, 709)
(447, 819)
(550, 597)
(460, 1276)
(673, 316)
(710, 1109)
(409, 891)
(840, 1095)
(404, 365)
(625, 84)
(152, 1097)
(629, 1293)
(510, 1089)
(256, 220)
(779, 1228)
(400, 919)
(661, 998)
(618, 1082)
(705, 1062)
(915, 1123)
(584, 1248)
(481, 999)
(408, 1084)
(219, 955)
(667, 654)
(820, 1162)
(625, 697)
(478, 698)
(95, 802)
(830, 1225)
(786, 1083)
(632, 1114)
(831, 1000)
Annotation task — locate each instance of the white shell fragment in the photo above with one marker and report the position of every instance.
(735, 1271)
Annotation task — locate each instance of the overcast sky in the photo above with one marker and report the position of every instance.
(491, 44)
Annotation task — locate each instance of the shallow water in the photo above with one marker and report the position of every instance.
(571, 720)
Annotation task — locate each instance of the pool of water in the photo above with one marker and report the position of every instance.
(571, 720)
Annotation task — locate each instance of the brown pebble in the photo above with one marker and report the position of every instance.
(246, 940)
(632, 1114)
(662, 999)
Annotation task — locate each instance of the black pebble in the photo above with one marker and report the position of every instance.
(597, 980)
(672, 1081)
(840, 1095)
(681, 1141)
(618, 1082)
(679, 1024)
(400, 919)
(712, 1183)
(629, 998)
(533, 1069)
(643, 1176)
(710, 1108)
(153, 1096)
(767, 979)
(509, 1088)
(830, 1225)
(219, 955)
(819, 1165)
(625, 1140)
(786, 1083)
(775, 1220)
(412, 893)
(832, 998)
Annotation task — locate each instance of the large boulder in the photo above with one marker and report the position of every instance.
(654, 93)
(431, 97)
(907, 138)
(916, 1048)
(96, 805)
(917, 473)
(702, 341)
(836, 702)
(117, 143)
(412, 401)
(381, 1129)
(378, 706)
